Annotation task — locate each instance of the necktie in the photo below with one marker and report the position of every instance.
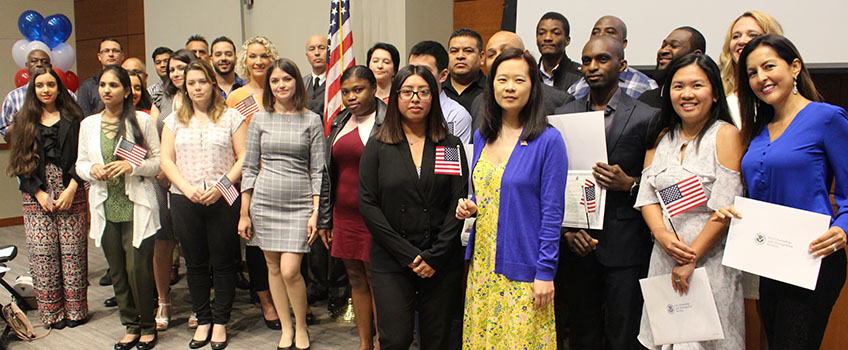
(315, 85)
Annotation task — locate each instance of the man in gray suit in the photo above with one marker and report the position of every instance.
(316, 54)
(603, 268)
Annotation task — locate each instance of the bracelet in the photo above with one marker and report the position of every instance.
(314, 208)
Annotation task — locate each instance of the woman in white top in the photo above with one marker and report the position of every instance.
(124, 212)
(746, 27)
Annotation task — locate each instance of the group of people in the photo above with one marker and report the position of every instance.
(233, 143)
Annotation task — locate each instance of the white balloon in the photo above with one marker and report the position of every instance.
(63, 56)
(19, 52)
(38, 45)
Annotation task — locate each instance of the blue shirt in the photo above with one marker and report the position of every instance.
(532, 205)
(458, 119)
(797, 169)
(631, 81)
(237, 84)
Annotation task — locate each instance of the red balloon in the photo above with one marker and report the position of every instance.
(21, 77)
(71, 81)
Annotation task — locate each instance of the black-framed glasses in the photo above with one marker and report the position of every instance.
(423, 94)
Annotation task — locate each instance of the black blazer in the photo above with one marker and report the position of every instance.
(68, 140)
(407, 215)
(625, 239)
(328, 190)
(314, 98)
(566, 74)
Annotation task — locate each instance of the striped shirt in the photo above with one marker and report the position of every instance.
(12, 104)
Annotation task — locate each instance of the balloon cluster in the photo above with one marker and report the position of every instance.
(48, 35)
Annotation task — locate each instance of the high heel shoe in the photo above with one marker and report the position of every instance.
(275, 324)
(308, 347)
(126, 346)
(219, 345)
(163, 316)
(290, 347)
(197, 344)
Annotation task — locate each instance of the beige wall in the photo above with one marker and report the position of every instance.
(10, 197)
(289, 23)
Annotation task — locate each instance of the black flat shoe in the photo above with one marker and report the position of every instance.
(111, 302)
(126, 346)
(219, 345)
(147, 345)
(58, 325)
(275, 324)
(72, 323)
(197, 344)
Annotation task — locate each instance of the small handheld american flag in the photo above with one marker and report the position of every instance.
(448, 161)
(682, 196)
(589, 199)
(247, 106)
(225, 186)
(129, 151)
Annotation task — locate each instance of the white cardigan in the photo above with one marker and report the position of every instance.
(139, 184)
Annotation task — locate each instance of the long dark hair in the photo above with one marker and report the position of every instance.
(23, 159)
(184, 56)
(127, 108)
(532, 116)
(755, 113)
(669, 120)
(392, 130)
(288, 66)
(145, 102)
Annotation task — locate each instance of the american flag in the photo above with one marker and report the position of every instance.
(682, 196)
(448, 161)
(129, 151)
(340, 57)
(247, 106)
(589, 199)
(227, 189)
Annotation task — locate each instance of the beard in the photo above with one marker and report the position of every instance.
(220, 72)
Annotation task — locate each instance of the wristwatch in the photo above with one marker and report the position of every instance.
(634, 188)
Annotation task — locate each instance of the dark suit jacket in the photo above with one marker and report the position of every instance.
(551, 96)
(567, 73)
(652, 98)
(328, 190)
(68, 140)
(625, 239)
(407, 215)
(314, 99)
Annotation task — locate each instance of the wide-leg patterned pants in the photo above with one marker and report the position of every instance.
(57, 243)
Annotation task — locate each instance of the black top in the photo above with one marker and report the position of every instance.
(88, 97)
(466, 98)
(652, 98)
(566, 73)
(328, 190)
(409, 215)
(57, 145)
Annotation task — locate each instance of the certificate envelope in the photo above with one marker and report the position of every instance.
(771, 240)
(585, 138)
(676, 318)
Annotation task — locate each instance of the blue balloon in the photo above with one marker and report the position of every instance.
(55, 30)
(29, 23)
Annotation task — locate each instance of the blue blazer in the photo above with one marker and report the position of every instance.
(531, 207)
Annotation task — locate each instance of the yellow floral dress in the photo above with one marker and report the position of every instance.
(499, 312)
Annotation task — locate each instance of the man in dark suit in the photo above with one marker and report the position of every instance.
(316, 54)
(500, 41)
(600, 270)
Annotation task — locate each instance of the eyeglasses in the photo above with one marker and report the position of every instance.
(115, 51)
(423, 94)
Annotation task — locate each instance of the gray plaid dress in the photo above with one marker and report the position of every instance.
(283, 163)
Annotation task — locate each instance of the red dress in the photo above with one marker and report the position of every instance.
(351, 239)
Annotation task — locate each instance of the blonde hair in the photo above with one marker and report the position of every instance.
(217, 105)
(241, 60)
(767, 23)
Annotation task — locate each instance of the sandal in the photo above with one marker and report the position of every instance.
(163, 316)
(192, 321)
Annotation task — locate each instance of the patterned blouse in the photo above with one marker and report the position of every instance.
(204, 152)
